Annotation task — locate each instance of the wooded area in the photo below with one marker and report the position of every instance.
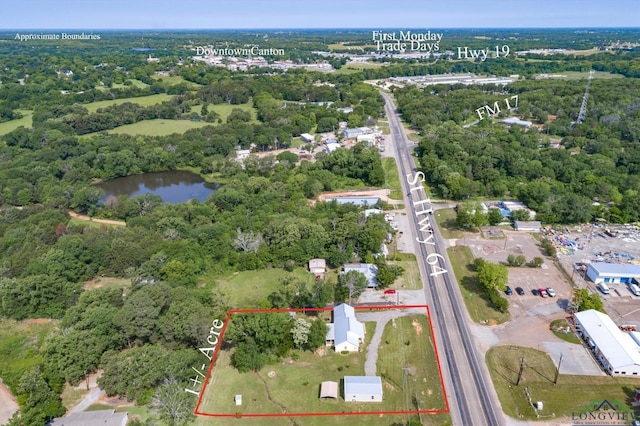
(143, 334)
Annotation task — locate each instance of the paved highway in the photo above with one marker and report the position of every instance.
(471, 396)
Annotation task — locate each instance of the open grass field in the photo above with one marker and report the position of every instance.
(225, 109)
(141, 100)
(446, 219)
(391, 178)
(480, 308)
(570, 394)
(19, 343)
(244, 289)
(173, 80)
(293, 386)
(26, 121)
(158, 127)
(410, 279)
(407, 360)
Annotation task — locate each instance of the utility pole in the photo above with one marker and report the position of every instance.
(520, 372)
(555, 380)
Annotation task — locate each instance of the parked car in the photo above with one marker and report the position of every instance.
(542, 292)
(520, 291)
(551, 292)
(535, 292)
(508, 291)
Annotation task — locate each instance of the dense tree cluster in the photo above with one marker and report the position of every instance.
(596, 163)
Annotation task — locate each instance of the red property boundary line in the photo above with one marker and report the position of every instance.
(347, 413)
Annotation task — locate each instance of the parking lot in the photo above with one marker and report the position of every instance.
(594, 243)
(531, 314)
(521, 243)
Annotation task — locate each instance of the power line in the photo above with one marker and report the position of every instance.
(583, 107)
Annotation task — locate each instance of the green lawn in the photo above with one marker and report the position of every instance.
(244, 289)
(562, 330)
(410, 279)
(571, 393)
(407, 360)
(480, 308)
(25, 121)
(391, 178)
(141, 100)
(446, 219)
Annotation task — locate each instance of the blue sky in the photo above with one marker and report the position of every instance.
(232, 14)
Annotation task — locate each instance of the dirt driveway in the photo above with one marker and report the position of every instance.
(8, 405)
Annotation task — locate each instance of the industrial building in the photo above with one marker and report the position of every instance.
(362, 388)
(617, 352)
(603, 272)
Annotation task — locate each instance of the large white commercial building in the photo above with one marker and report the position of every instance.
(618, 352)
(602, 272)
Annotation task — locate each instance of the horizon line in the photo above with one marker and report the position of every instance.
(317, 28)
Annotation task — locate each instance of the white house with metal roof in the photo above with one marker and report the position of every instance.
(346, 333)
(362, 389)
(603, 272)
(617, 351)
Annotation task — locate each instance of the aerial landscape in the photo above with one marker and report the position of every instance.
(320, 213)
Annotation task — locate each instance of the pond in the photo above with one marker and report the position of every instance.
(173, 187)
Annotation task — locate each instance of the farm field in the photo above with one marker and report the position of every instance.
(292, 385)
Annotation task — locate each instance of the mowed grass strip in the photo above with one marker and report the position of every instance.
(410, 278)
(26, 121)
(391, 178)
(478, 304)
(570, 394)
(407, 363)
